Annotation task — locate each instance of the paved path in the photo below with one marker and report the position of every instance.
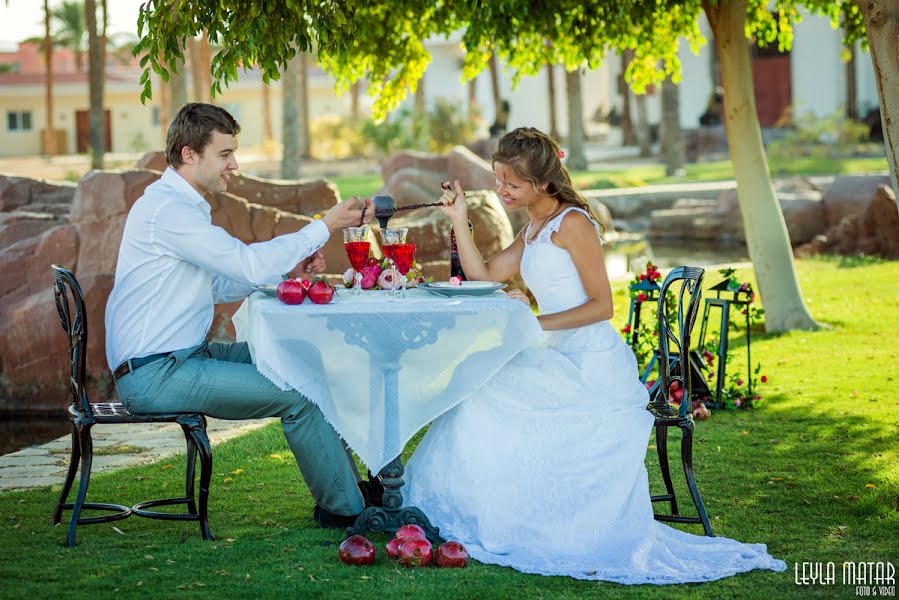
(115, 446)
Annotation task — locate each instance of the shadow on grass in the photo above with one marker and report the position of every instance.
(791, 476)
(812, 484)
(854, 262)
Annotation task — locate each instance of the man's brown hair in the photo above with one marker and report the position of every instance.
(193, 127)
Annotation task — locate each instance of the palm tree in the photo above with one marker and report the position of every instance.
(96, 41)
(49, 134)
(72, 29)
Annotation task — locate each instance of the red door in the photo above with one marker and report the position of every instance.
(771, 78)
(82, 131)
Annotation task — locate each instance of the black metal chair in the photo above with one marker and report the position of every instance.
(673, 355)
(85, 415)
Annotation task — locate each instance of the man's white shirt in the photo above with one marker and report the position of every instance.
(174, 265)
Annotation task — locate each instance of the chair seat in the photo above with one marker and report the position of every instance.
(115, 412)
(666, 414)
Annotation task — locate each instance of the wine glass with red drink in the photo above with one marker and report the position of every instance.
(403, 257)
(390, 238)
(355, 241)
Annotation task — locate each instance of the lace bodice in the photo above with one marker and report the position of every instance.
(548, 270)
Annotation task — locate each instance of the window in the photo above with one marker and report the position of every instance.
(18, 120)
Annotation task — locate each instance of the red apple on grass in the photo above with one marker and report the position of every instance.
(291, 292)
(357, 550)
(451, 555)
(415, 552)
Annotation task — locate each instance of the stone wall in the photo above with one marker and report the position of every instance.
(84, 234)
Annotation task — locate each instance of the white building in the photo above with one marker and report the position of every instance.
(811, 77)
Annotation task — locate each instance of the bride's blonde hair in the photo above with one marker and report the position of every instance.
(537, 158)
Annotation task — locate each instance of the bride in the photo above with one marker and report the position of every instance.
(542, 469)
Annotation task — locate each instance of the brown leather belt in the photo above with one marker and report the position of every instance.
(131, 365)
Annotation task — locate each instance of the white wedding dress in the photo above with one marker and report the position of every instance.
(542, 469)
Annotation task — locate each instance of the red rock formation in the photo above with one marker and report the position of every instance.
(874, 232)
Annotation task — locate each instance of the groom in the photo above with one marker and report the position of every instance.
(173, 265)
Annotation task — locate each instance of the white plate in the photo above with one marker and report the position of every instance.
(468, 288)
(268, 290)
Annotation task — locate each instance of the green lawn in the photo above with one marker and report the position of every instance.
(812, 471)
(367, 185)
(720, 170)
(358, 185)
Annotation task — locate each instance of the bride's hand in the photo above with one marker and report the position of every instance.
(453, 200)
(518, 295)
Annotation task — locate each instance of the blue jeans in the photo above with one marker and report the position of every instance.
(220, 380)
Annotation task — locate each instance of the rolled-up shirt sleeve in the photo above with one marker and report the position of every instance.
(225, 289)
(187, 232)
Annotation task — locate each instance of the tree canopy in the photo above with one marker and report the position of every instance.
(383, 42)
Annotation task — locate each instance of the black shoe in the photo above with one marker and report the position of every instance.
(330, 520)
(372, 492)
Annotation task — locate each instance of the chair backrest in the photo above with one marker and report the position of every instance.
(674, 338)
(68, 295)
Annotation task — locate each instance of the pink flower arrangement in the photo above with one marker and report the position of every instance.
(390, 279)
(383, 275)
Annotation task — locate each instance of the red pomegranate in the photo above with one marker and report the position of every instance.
(452, 555)
(291, 292)
(393, 548)
(410, 531)
(357, 550)
(321, 291)
(415, 552)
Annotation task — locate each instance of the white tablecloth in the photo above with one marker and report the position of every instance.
(379, 367)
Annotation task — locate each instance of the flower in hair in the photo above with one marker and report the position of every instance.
(561, 154)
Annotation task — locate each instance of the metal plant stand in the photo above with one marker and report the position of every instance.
(737, 299)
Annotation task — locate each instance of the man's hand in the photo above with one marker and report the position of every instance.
(309, 267)
(349, 213)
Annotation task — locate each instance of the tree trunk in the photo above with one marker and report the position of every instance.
(303, 80)
(551, 91)
(763, 222)
(103, 37)
(494, 85)
(577, 158)
(672, 137)
(643, 127)
(50, 147)
(96, 126)
(164, 109)
(290, 122)
(420, 100)
(196, 68)
(266, 119)
(851, 85)
(882, 28)
(628, 137)
(205, 70)
(354, 101)
(473, 99)
(178, 87)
